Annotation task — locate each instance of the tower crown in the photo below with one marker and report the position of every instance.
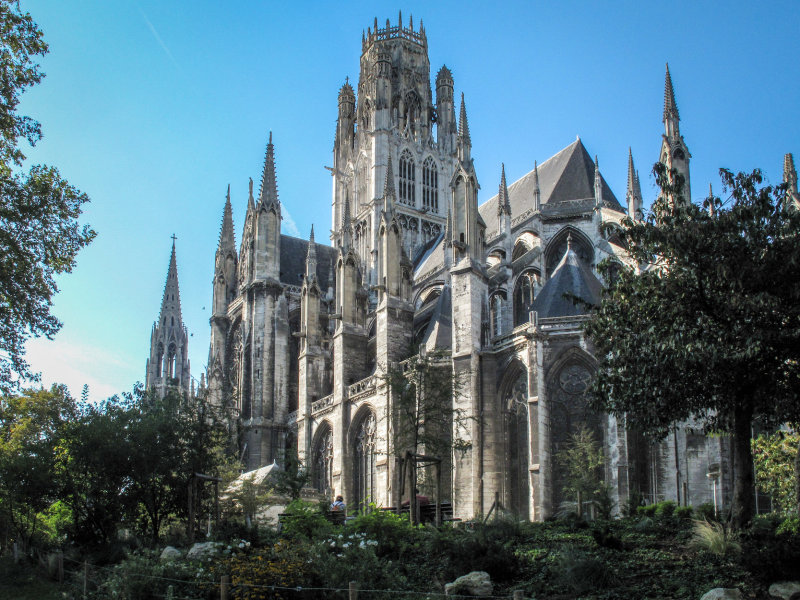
(444, 78)
(390, 32)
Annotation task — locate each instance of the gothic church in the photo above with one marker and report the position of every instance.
(302, 333)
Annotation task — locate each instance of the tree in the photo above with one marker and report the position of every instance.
(31, 425)
(775, 455)
(708, 324)
(39, 231)
(582, 462)
(425, 422)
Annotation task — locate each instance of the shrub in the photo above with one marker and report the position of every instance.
(582, 572)
(635, 500)
(706, 512)
(391, 530)
(789, 526)
(304, 520)
(287, 564)
(646, 511)
(141, 576)
(604, 501)
(715, 538)
(683, 513)
(645, 525)
(664, 510)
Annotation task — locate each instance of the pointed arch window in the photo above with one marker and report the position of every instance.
(171, 362)
(408, 179)
(160, 362)
(430, 186)
(364, 469)
(524, 291)
(496, 314)
(322, 466)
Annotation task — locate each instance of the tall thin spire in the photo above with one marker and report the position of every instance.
(790, 179)
(463, 123)
(598, 184)
(269, 185)
(171, 301)
(388, 189)
(347, 228)
(311, 257)
(503, 202)
(670, 106)
(226, 236)
(710, 200)
(537, 194)
(633, 193)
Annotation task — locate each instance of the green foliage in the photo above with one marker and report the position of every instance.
(705, 511)
(708, 325)
(304, 520)
(648, 510)
(582, 572)
(141, 576)
(604, 501)
(292, 478)
(665, 509)
(789, 526)
(582, 461)
(772, 553)
(39, 231)
(635, 500)
(683, 513)
(30, 428)
(715, 538)
(774, 456)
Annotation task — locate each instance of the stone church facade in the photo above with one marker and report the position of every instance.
(303, 333)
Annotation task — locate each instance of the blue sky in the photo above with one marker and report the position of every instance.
(153, 107)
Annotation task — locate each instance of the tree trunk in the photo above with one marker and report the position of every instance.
(743, 483)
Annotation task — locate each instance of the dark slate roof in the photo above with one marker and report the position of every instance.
(566, 183)
(571, 279)
(293, 261)
(439, 331)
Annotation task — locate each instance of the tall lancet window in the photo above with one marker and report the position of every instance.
(430, 186)
(322, 466)
(364, 471)
(497, 315)
(408, 179)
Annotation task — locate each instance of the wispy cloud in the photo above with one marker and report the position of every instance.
(288, 223)
(158, 37)
(74, 365)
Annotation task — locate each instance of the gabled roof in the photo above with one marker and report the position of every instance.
(293, 261)
(572, 279)
(439, 331)
(563, 179)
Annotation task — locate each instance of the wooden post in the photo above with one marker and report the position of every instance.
(85, 579)
(224, 587)
(518, 595)
(353, 595)
(60, 567)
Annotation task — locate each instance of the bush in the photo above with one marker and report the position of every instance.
(141, 576)
(304, 520)
(635, 500)
(604, 501)
(706, 512)
(714, 538)
(663, 510)
(772, 554)
(683, 513)
(391, 531)
(789, 526)
(647, 511)
(582, 572)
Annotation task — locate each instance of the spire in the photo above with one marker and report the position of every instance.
(269, 185)
(388, 189)
(226, 237)
(171, 301)
(634, 192)
(311, 257)
(537, 194)
(789, 172)
(710, 200)
(503, 203)
(347, 228)
(250, 201)
(670, 107)
(463, 124)
(598, 184)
